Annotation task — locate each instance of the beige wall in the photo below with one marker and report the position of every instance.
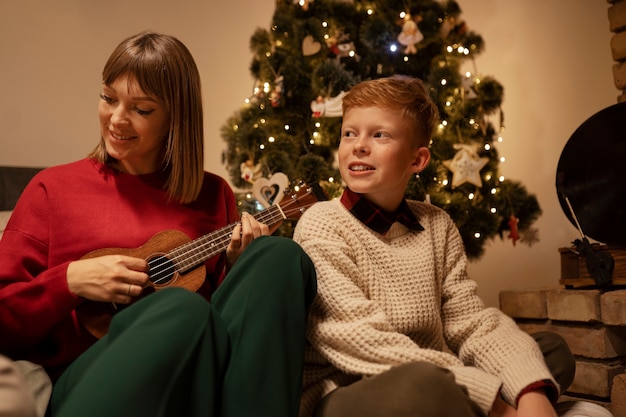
(552, 56)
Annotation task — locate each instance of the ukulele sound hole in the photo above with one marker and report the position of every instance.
(162, 270)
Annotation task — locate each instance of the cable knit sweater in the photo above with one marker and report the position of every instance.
(402, 297)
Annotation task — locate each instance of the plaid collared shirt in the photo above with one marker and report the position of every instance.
(376, 218)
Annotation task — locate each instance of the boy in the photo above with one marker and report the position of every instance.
(397, 328)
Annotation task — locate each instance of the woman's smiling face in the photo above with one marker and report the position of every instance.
(133, 125)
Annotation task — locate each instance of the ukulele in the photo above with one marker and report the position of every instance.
(174, 260)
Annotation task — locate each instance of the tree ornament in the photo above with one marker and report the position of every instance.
(466, 166)
(327, 107)
(270, 190)
(249, 171)
(514, 233)
(310, 46)
(410, 35)
(277, 92)
(467, 82)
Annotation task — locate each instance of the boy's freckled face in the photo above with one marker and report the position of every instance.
(376, 154)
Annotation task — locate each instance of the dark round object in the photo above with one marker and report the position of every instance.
(592, 175)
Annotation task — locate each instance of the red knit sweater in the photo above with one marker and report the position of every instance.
(68, 211)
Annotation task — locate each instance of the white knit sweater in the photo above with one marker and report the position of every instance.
(403, 297)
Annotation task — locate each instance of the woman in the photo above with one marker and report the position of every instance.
(170, 352)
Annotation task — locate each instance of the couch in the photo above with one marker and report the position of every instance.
(12, 183)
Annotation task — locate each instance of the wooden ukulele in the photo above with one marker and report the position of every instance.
(174, 260)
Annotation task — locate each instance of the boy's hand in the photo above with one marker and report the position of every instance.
(535, 404)
(531, 404)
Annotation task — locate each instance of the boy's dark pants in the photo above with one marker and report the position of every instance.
(421, 389)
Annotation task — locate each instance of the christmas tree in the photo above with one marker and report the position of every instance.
(315, 50)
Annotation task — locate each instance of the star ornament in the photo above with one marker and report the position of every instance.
(466, 166)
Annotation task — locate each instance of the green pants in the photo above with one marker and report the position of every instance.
(175, 354)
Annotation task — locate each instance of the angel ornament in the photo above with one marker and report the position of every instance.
(410, 36)
(327, 107)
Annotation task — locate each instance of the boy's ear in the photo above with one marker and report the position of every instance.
(421, 160)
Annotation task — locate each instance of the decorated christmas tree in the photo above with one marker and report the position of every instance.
(288, 130)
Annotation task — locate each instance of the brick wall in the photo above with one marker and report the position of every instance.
(617, 26)
(593, 322)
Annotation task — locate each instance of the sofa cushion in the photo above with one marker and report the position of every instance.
(4, 219)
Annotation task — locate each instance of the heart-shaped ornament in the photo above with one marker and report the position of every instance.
(270, 191)
(310, 46)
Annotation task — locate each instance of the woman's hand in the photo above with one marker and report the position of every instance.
(243, 234)
(110, 278)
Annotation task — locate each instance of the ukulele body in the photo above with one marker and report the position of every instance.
(96, 316)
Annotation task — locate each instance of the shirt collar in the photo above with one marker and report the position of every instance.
(376, 218)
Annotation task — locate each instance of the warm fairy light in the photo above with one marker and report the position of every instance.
(370, 11)
(406, 58)
(477, 235)
(448, 103)
(317, 124)
(501, 178)
(472, 122)
(279, 43)
(393, 47)
(494, 191)
(263, 121)
(502, 159)
(271, 139)
(324, 24)
(331, 179)
(449, 48)
(468, 74)
(312, 141)
(235, 127)
(488, 177)
(500, 139)
(266, 87)
(444, 182)
(487, 147)
(471, 196)
(460, 49)
(444, 82)
(286, 127)
(261, 146)
(402, 15)
(493, 210)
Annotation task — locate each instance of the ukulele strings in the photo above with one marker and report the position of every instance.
(272, 214)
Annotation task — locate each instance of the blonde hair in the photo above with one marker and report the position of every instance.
(163, 67)
(407, 95)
